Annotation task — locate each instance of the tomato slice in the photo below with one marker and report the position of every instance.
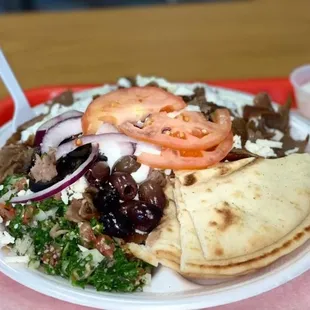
(128, 104)
(189, 131)
(184, 160)
(87, 235)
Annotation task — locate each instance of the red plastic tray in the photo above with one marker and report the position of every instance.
(279, 90)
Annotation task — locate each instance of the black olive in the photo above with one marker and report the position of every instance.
(107, 199)
(98, 174)
(125, 185)
(69, 163)
(144, 217)
(65, 165)
(81, 152)
(116, 225)
(126, 164)
(40, 186)
(158, 177)
(152, 193)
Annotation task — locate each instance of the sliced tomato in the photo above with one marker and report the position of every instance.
(184, 160)
(128, 104)
(189, 131)
(105, 245)
(87, 235)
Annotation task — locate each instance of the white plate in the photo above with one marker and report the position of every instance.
(168, 290)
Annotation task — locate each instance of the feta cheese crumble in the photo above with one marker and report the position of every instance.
(278, 135)
(74, 191)
(23, 246)
(168, 171)
(237, 142)
(292, 151)
(263, 147)
(79, 188)
(24, 193)
(44, 215)
(270, 143)
(65, 196)
(123, 82)
(183, 91)
(5, 239)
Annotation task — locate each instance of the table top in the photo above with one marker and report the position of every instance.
(293, 295)
(225, 40)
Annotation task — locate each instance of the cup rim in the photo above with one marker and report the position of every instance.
(296, 71)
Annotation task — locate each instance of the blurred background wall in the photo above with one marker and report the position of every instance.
(31, 5)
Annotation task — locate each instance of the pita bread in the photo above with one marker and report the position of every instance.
(164, 241)
(142, 252)
(236, 220)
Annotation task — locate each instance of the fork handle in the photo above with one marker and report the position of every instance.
(11, 83)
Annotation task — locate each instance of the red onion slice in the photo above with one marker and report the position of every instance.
(55, 135)
(52, 122)
(60, 118)
(59, 186)
(39, 137)
(70, 146)
(114, 150)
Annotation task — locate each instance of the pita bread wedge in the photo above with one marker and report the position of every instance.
(245, 218)
(164, 243)
(191, 248)
(142, 252)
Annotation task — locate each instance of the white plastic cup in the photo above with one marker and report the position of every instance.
(298, 78)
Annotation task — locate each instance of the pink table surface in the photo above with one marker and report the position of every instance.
(294, 295)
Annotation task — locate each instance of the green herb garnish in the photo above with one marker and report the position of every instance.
(8, 182)
(119, 277)
(52, 203)
(62, 256)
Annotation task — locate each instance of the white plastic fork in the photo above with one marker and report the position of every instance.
(22, 111)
